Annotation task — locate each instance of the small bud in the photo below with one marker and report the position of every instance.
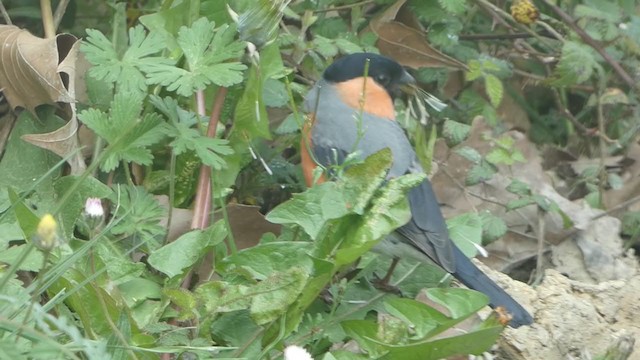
(47, 233)
(293, 352)
(93, 208)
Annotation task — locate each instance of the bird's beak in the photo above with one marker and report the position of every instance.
(407, 83)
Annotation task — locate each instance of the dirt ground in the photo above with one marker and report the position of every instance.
(588, 300)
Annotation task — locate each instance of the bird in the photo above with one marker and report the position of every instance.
(351, 107)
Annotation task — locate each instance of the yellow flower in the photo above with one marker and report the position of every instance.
(524, 12)
(47, 233)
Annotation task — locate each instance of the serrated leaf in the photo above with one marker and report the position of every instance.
(127, 134)
(576, 64)
(494, 88)
(125, 72)
(206, 50)
(493, 227)
(474, 70)
(470, 154)
(519, 188)
(499, 156)
(185, 300)
(519, 203)
(544, 203)
(186, 138)
(480, 172)
(455, 132)
(137, 214)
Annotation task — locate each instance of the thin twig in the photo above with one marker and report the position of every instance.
(567, 19)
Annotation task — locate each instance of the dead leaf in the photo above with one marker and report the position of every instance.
(247, 223)
(407, 45)
(64, 141)
(29, 68)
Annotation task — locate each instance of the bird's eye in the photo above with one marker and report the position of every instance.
(382, 79)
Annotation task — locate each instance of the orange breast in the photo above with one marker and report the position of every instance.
(376, 99)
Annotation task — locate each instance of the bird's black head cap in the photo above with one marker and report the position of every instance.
(385, 71)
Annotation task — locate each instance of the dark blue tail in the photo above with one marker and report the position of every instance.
(475, 279)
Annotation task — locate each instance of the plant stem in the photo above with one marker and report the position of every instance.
(5, 14)
(47, 19)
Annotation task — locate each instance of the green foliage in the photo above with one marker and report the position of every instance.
(206, 50)
(455, 132)
(576, 65)
(125, 71)
(137, 215)
(209, 150)
(135, 292)
(127, 134)
(466, 232)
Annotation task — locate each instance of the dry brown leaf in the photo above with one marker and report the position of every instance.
(408, 45)
(64, 141)
(29, 68)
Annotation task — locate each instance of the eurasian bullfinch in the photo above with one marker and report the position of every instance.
(334, 106)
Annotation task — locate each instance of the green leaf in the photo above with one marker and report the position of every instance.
(455, 132)
(33, 261)
(480, 172)
(124, 71)
(325, 47)
(311, 209)
(493, 227)
(274, 295)
(474, 70)
(499, 156)
(127, 134)
(519, 203)
(185, 300)
(137, 214)
(119, 267)
(576, 64)
(454, 7)
(267, 300)
(275, 93)
(519, 188)
(173, 258)
(466, 232)
(361, 181)
(186, 138)
(422, 318)
(206, 50)
(265, 259)
(494, 88)
(544, 203)
(470, 154)
(461, 303)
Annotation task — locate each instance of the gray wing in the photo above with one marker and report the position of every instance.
(337, 132)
